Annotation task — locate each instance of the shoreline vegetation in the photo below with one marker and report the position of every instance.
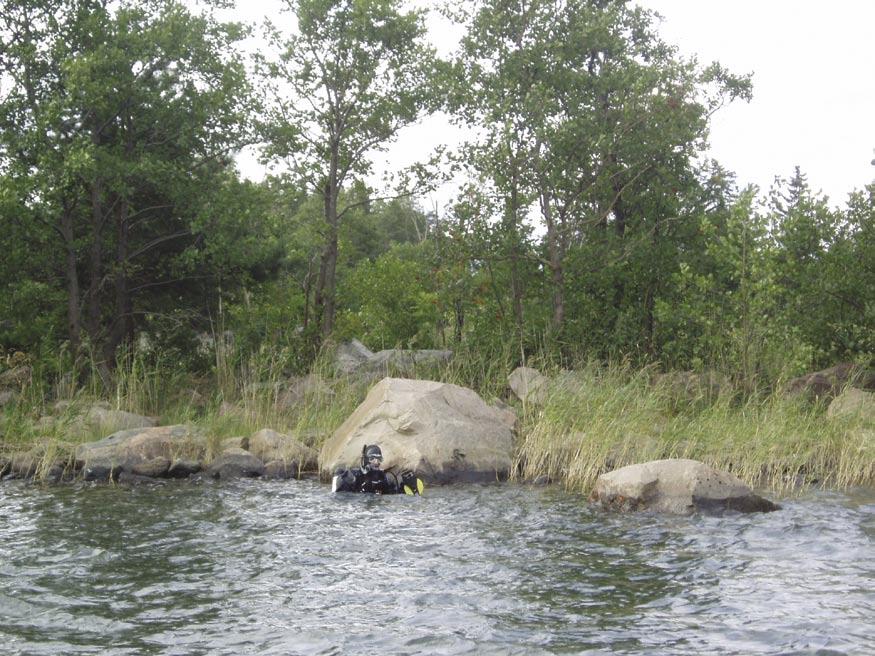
(583, 422)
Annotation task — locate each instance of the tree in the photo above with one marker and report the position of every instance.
(592, 118)
(119, 126)
(358, 71)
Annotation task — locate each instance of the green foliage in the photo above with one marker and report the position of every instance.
(391, 301)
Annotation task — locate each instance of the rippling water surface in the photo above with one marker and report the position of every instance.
(287, 568)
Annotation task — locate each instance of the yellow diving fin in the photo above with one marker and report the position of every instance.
(420, 488)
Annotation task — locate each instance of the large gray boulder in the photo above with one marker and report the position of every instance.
(676, 486)
(140, 451)
(444, 432)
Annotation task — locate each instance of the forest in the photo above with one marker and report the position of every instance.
(589, 226)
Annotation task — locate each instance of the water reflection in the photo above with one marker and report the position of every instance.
(286, 568)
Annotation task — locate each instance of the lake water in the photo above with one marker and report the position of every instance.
(286, 568)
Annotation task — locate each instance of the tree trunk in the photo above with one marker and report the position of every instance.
(122, 326)
(459, 310)
(74, 311)
(512, 223)
(95, 263)
(556, 256)
(325, 287)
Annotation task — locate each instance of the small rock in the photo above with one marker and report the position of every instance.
(281, 469)
(528, 385)
(183, 468)
(239, 442)
(153, 468)
(853, 402)
(235, 463)
(16, 378)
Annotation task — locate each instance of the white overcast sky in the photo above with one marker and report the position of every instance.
(813, 66)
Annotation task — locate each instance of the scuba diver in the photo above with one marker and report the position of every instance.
(371, 479)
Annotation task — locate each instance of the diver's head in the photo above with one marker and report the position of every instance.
(372, 457)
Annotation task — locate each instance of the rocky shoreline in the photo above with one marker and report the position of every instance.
(444, 432)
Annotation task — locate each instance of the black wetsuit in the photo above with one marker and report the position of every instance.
(370, 481)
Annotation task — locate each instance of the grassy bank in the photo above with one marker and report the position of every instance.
(604, 418)
(591, 420)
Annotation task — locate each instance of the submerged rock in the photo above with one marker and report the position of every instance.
(444, 432)
(676, 486)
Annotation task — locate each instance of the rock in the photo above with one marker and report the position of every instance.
(7, 397)
(676, 486)
(444, 432)
(239, 442)
(99, 472)
(183, 468)
(235, 463)
(528, 385)
(350, 356)
(153, 468)
(280, 469)
(43, 458)
(268, 445)
(97, 418)
(129, 450)
(829, 383)
(853, 402)
(405, 361)
(355, 358)
(16, 377)
(116, 420)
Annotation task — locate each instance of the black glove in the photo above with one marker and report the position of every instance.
(408, 482)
